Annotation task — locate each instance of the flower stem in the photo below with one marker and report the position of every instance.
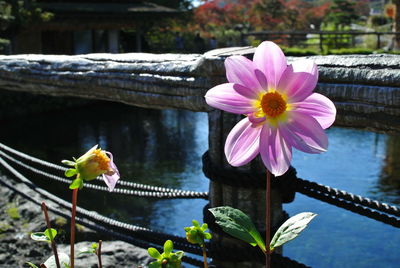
(99, 254)
(203, 247)
(53, 243)
(73, 213)
(268, 220)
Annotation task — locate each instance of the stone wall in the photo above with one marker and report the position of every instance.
(365, 88)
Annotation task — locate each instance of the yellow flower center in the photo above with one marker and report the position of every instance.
(101, 159)
(273, 104)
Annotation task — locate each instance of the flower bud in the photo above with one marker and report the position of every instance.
(92, 164)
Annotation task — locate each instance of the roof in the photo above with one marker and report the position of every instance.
(119, 7)
(101, 14)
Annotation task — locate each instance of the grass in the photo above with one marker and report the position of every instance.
(13, 213)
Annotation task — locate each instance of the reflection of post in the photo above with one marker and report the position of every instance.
(391, 169)
(113, 44)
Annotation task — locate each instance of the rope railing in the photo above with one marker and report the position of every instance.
(149, 190)
(354, 203)
(353, 198)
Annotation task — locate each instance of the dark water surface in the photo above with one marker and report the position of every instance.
(164, 148)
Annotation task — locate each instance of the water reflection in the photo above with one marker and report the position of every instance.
(389, 180)
(354, 162)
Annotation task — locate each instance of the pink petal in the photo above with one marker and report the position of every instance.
(111, 180)
(242, 143)
(226, 98)
(299, 80)
(241, 70)
(297, 141)
(270, 60)
(305, 133)
(245, 92)
(319, 107)
(256, 120)
(111, 177)
(275, 152)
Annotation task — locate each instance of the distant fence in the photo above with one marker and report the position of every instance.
(336, 39)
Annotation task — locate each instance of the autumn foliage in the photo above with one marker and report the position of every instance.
(258, 15)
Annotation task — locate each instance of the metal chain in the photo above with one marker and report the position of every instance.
(156, 192)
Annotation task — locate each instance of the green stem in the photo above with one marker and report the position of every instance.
(73, 213)
(203, 247)
(268, 220)
(99, 254)
(53, 243)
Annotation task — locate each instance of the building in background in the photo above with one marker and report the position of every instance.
(88, 26)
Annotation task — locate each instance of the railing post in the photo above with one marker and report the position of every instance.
(378, 40)
(243, 196)
(321, 39)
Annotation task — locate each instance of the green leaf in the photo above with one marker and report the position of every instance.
(207, 236)
(70, 172)
(291, 228)
(68, 163)
(40, 236)
(32, 265)
(237, 224)
(87, 251)
(154, 253)
(195, 223)
(155, 264)
(168, 247)
(50, 233)
(179, 254)
(77, 183)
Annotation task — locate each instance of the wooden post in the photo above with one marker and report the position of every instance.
(321, 39)
(249, 200)
(378, 40)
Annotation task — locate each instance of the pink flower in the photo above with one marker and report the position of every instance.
(281, 110)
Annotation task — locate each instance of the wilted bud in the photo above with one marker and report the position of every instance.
(92, 164)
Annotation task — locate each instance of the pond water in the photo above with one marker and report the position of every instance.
(164, 148)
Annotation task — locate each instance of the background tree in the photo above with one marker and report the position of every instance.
(15, 14)
(397, 23)
(341, 13)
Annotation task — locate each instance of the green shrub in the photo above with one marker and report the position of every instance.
(297, 51)
(347, 51)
